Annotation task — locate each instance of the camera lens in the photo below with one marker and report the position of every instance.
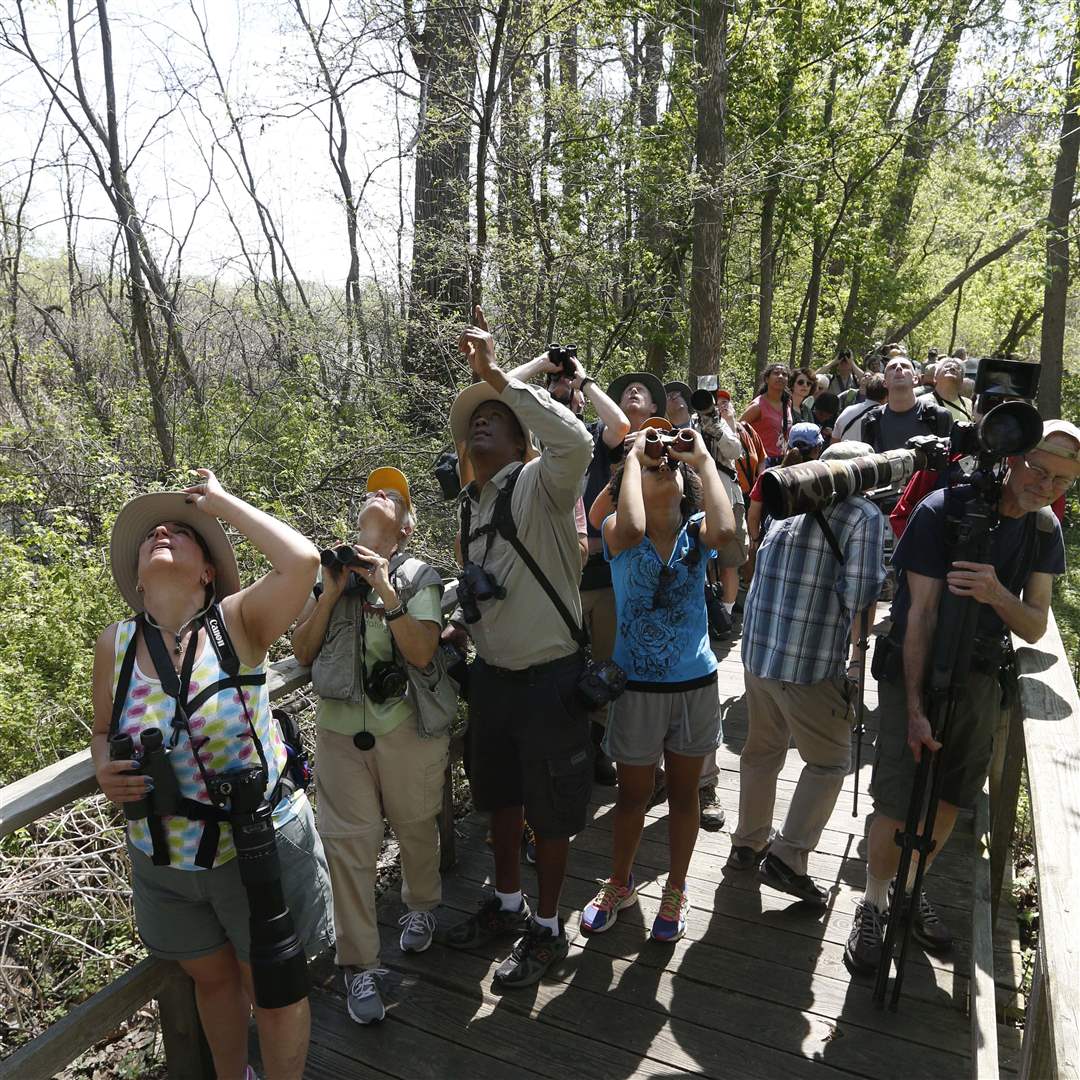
(363, 740)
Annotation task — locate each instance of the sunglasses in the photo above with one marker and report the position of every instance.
(662, 596)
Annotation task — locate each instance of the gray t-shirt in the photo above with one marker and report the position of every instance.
(891, 430)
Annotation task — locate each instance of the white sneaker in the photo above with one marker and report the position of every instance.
(419, 928)
(364, 1002)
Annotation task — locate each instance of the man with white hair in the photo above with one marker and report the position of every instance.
(376, 611)
(813, 576)
(949, 388)
(1013, 589)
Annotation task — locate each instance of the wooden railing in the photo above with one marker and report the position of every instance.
(31, 798)
(1043, 731)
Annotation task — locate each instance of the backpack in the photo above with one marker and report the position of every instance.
(749, 463)
(935, 419)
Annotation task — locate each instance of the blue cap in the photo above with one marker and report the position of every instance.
(805, 434)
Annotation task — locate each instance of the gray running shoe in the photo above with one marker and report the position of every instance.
(866, 940)
(419, 926)
(363, 1000)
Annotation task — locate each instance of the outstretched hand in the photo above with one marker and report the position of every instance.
(207, 494)
(477, 344)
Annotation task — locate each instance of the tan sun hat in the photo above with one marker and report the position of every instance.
(390, 479)
(140, 515)
(467, 402)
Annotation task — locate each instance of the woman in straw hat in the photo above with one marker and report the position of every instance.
(172, 561)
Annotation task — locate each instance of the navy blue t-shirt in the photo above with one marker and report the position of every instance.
(923, 550)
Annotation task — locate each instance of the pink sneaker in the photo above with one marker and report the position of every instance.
(602, 911)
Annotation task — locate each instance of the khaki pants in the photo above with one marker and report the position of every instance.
(401, 777)
(818, 717)
(598, 617)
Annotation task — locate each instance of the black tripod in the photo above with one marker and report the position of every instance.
(969, 529)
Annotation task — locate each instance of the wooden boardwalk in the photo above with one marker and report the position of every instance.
(757, 988)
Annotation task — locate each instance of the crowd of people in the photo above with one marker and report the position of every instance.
(598, 562)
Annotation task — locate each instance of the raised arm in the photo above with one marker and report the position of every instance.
(261, 613)
(625, 528)
(719, 525)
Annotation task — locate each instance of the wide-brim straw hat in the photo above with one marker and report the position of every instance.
(140, 515)
(461, 413)
(651, 383)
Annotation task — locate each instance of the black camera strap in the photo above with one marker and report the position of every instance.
(502, 520)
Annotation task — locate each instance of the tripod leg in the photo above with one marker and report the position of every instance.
(860, 727)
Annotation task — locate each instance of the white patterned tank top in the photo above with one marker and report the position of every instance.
(222, 738)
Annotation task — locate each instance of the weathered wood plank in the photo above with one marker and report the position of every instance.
(1051, 713)
(85, 1025)
(984, 1043)
(47, 789)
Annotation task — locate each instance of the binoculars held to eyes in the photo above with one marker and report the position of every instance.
(659, 445)
(564, 356)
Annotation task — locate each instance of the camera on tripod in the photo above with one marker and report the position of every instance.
(475, 585)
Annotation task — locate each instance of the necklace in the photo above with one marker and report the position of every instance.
(177, 634)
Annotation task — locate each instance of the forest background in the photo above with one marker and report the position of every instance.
(245, 236)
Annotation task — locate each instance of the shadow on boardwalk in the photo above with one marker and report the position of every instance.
(756, 988)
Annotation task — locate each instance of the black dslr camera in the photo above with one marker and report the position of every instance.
(278, 964)
(601, 683)
(564, 356)
(476, 584)
(386, 682)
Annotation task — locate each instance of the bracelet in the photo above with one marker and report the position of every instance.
(394, 613)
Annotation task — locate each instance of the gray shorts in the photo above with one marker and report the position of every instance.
(737, 550)
(185, 914)
(642, 725)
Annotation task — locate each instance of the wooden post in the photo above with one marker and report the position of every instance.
(1004, 795)
(984, 1044)
(1037, 1052)
(187, 1054)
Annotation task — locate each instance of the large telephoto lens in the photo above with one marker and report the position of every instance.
(278, 964)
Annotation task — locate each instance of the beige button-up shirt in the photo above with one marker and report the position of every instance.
(525, 628)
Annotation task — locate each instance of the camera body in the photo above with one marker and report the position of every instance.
(601, 683)
(564, 356)
(386, 682)
(474, 585)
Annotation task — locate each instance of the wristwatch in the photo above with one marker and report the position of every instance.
(587, 379)
(394, 613)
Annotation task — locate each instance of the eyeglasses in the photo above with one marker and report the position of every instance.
(1058, 483)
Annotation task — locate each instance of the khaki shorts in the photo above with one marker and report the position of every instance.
(969, 745)
(185, 914)
(737, 550)
(643, 724)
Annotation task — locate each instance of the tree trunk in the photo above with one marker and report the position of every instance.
(1055, 295)
(706, 309)
(445, 54)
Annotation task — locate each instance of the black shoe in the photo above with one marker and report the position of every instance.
(536, 951)
(744, 857)
(777, 874)
(489, 923)
(603, 767)
(862, 954)
(712, 813)
(928, 929)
